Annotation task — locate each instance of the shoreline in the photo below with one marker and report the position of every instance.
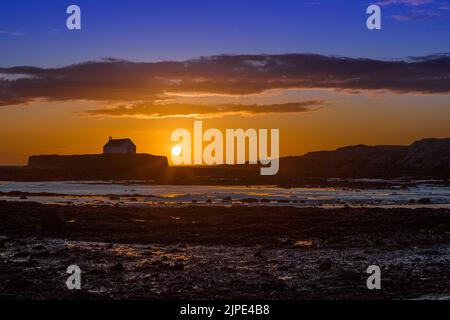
(326, 194)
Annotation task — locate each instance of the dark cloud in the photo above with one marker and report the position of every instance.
(123, 81)
(150, 110)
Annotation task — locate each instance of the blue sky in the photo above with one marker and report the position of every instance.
(33, 32)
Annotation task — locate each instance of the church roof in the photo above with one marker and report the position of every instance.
(118, 142)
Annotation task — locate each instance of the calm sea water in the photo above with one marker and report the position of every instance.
(128, 194)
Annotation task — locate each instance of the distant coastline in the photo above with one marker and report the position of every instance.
(428, 158)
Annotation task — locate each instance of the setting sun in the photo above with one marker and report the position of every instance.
(176, 150)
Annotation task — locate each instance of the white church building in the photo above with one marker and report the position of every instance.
(119, 146)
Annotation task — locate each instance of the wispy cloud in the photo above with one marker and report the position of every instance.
(416, 14)
(445, 6)
(13, 76)
(405, 10)
(146, 110)
(12, 33)
(404, 2)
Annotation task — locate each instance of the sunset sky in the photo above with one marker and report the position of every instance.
(141, 69)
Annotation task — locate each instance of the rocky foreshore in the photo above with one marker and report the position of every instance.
(219, 252)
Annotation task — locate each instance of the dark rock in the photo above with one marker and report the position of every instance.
(80, 295)
(228, 269)
(20, 284)
(30, 263)
(148, 253)
(388, 283)
(43, 254)
(286, 241)
(23, 198)
(424, 201)
(163, 265)
(326, 265)
(22, 254)
(249, 200)
(177, 266)
(258, 254)
(359, 258)
(157, 263)
(273, 285)
(117, 268)
(96, 272)
(431, 252)
(350, 275)
(53, 221)
(173, 250)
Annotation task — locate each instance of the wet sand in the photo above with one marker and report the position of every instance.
(397, 194)
(220, 252)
